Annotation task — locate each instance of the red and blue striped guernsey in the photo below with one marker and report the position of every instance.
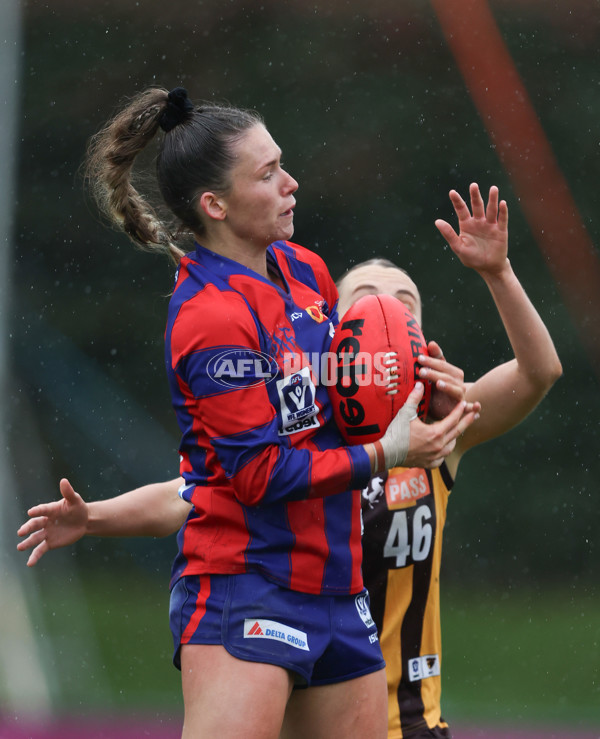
(264, 465)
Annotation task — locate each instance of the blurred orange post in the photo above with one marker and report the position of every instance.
(513, 126)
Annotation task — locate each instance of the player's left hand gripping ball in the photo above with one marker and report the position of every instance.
(377, 344)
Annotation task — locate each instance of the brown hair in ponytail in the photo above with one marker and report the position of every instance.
(195, 156)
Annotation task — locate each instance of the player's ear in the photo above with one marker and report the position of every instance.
(213, 205)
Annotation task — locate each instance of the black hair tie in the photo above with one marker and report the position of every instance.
(178, 109)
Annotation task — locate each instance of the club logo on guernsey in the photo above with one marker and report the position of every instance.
(262, 628)
(421, 667)
(315, 312)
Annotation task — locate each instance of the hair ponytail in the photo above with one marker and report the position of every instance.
(195, 156)
(110, 158)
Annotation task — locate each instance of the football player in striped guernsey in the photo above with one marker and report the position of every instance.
(267, 592)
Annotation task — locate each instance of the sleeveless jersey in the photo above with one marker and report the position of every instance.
(404, 512)
(264, 465)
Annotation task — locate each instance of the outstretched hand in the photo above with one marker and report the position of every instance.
(482, 241)
(54, 525)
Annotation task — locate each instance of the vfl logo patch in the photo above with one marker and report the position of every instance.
(363, 610)
(262, 628)
(421, 667)
(297, 401)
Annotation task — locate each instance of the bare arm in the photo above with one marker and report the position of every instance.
(511, 390)
(152, 510)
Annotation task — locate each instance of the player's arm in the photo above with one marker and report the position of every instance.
(511, 390)
(151, 510)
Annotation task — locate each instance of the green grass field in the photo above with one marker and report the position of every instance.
(522, 657)
(508, 658)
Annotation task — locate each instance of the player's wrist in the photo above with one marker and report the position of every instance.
(376, 455)
(502, 273)
(95, 519)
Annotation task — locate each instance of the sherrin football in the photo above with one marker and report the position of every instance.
(376, 345)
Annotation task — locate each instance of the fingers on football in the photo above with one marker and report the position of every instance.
(448, 448)
(442, 367)
(464, 423)
(451, 389)
(442, 453)
(450, 386)
(416, 394)
(434, 350)
(454, 419)
(460, 419)
(473, 407)
(445, 376)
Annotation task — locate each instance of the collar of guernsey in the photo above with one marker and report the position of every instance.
(224, 267)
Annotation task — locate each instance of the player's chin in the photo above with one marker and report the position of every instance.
(285, 229)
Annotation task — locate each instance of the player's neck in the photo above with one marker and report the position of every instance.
(246, 253)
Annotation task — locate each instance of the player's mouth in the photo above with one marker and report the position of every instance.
(289, 212)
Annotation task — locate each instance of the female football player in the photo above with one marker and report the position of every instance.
(267, 590)
(404, 510)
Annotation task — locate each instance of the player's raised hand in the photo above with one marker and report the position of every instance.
(54, 525)
(482, 241)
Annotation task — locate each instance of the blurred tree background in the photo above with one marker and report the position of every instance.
(377, 125)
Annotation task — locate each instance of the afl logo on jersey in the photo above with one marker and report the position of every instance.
(242, 368)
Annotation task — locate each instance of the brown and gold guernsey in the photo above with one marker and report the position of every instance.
(404, 512)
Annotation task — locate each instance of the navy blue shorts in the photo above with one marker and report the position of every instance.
(321, 638)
